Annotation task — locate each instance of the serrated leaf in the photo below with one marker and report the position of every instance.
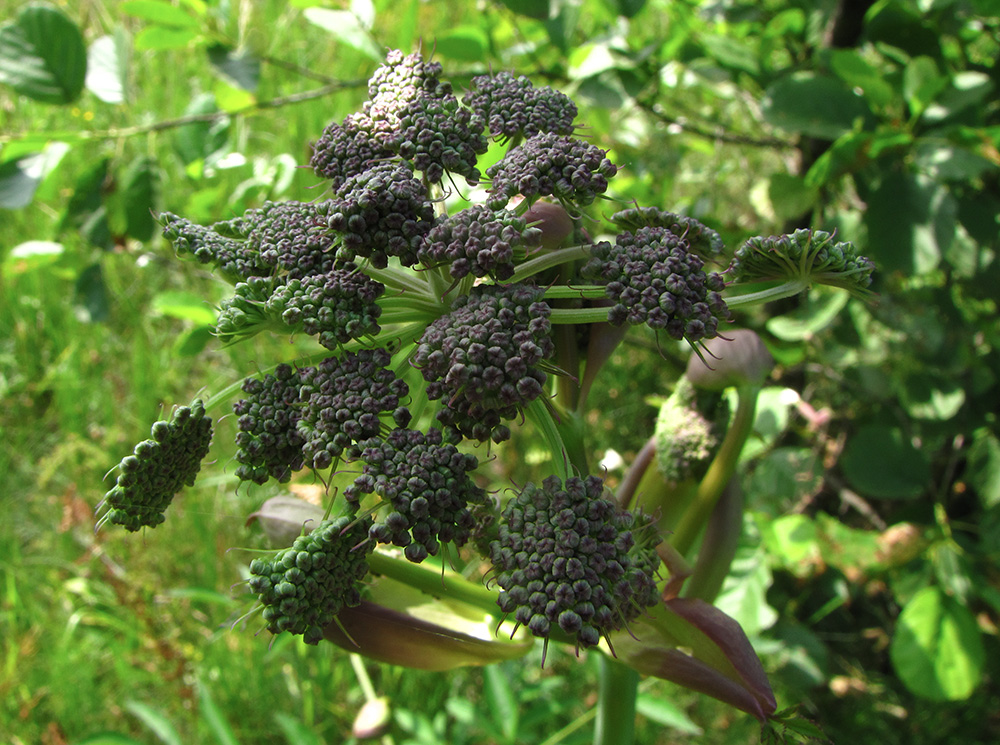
(21, 176)
(937, 649)
(880, 462)
(107, 67)
(160, 12)
(814, 105)
(43, 55)
(346, 27)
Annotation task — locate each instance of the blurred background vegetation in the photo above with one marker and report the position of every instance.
(868, 575)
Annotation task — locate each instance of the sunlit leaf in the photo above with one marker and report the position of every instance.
(107, 67)
(43, 55)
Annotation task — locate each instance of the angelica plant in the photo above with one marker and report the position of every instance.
(439, 325)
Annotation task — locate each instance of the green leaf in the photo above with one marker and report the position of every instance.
(789, 196)
(214, 717)
(43, 55)
(502, 701)
(965, 89)
(853, 69)
(187, 306)
(982, 469)
(21, 176)
(159, 38)
(821, 308)
(538, 9)
(140, 188)
(240, 68)
(881, 463)
(295, 732)
(107, 67)
(783, 477)
(346, 27)
(937, 649)
(156, 722)
(949, 162)
(911, 222)
(85, 211)
(91, 294)
(744, 594)
(922, 82)
(29, 256)
(666, 714)
(931, 396)
(814, 105)
(732, 53)
(630, 8)
(466, 43)
(160, 12)
(201, 140)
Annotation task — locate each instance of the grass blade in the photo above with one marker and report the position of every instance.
(155, 721)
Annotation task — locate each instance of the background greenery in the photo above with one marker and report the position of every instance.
(868, 577)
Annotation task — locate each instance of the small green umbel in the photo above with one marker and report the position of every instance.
(158, 469)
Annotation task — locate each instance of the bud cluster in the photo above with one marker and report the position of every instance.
(568, 558)
(305, 586)
(269, 443)
(512, 106)
(483, 358)
(341, 402)
(158, 468)
(653, 278)
(428, 488)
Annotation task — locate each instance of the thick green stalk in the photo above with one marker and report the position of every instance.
(719, 472)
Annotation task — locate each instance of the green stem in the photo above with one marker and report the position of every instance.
(578, 315)
(549, 260)
(434, 582)
(719, 472)
(785, 289)
(617, 692)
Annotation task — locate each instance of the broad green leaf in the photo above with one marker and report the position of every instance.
(897, 23)
(732, 53)
(911, 222)
(857, 72)
(156, 722)
(91, 294)
(158, 38)
(29, 256)
(231, 98)
(789, 196)
(744, 594)
(982, 468)
(85, 211)
(160, 12)
(43, 55)
(950, 162)
(239, 67)
(538, 9)
(184, 305)
(467, 43)
(630, 8)
(783, 477)
(201, 140)
(845, 547)
(821, 308)
(791, 541)
(937, 649)
(965, 89)
(140, 188)
(930, 396)
(922, 82)
(814, 105)
(346, 27)
(21, 176)
(881, 463)
(107, 67)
